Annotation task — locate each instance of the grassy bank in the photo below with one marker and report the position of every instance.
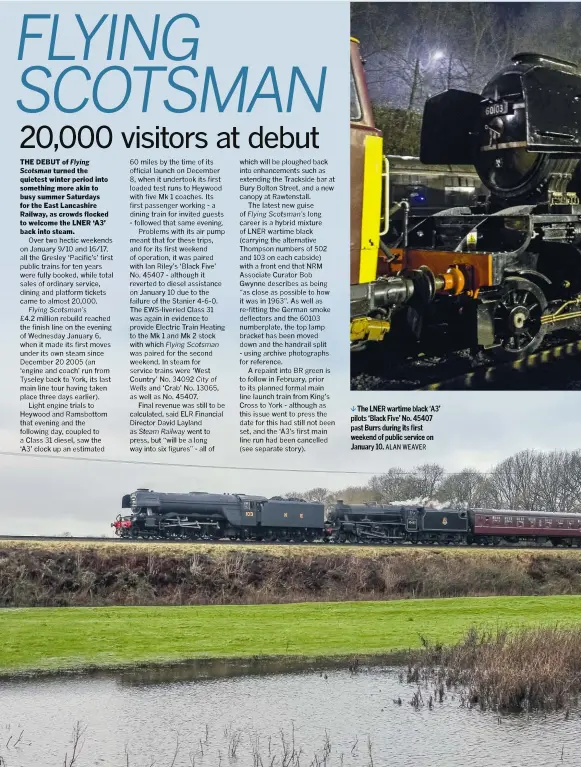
(79, 637)
(81, 574)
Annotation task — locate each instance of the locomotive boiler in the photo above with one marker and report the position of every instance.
(499, 275)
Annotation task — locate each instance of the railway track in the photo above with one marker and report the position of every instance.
(533, 367)
(97, 539)
(556, 366)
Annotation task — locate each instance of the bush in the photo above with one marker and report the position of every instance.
(401, 130)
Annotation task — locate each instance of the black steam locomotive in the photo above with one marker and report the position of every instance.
(207, 516)
(200, 515)
(501, 274)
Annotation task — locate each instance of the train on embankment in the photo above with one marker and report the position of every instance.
(211, 516)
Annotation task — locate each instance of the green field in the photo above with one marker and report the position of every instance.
(59, 638)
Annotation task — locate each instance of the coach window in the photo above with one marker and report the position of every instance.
(520, 521)
(355, 103)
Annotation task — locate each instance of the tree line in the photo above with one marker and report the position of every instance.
(415, 50)
(528, 480)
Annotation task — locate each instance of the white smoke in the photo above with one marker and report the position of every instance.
(429, 503)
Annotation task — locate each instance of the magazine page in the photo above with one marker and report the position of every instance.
(288, 438)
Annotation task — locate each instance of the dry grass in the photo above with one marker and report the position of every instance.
(279, 550)
(511, 671)
(87, 574)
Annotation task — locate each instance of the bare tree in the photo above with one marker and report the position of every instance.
(513, 483)
(395, 485)
(429, 477)
(353, 494)
(529, 479)
(551, 29)
(316, 495)
(465, 488)
(558, 479)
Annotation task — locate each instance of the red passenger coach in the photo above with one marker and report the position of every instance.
(514, 525)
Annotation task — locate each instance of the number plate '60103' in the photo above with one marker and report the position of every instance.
(500, 108)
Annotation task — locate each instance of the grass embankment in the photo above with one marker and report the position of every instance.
(88, 574)
(51, 639)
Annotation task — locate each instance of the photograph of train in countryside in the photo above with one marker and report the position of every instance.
(465, 263)
(528, 499)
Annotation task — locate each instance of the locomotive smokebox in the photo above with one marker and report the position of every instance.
(522, 133)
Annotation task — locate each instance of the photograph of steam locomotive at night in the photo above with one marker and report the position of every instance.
(465, 196)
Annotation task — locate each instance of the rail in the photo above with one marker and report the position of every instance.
(493, 374)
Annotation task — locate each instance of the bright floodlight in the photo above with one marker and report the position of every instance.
(438, 55)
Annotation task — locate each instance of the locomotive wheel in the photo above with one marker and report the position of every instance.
(517, 318)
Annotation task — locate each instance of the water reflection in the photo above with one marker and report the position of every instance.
(216, 668)
(210, 715)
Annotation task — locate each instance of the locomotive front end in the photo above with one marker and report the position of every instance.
(522, 133)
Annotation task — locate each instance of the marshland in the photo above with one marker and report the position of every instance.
(414, 715)
(287, 656)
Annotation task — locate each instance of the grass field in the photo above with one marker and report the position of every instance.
(67, 638)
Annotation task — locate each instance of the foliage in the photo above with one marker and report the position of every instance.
(529, 480)
(401, 132)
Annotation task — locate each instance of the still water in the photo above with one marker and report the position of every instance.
(325, 717)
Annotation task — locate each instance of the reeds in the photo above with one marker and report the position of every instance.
(506, 671)
(231, 747)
